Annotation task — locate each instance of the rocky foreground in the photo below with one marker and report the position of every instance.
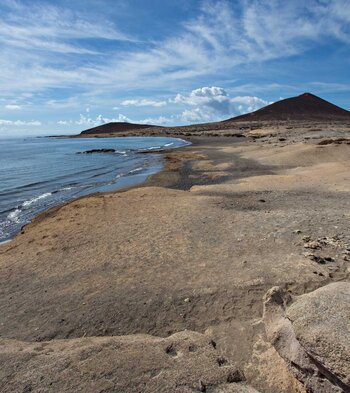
(311, 333)
(184, 362)
(227, 272)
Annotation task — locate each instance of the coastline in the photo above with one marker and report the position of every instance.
(42, 215)
(169, 176)
(195, 247)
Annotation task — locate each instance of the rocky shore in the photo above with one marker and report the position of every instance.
(167, 287)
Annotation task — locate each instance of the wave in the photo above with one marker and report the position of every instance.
(36, 199)
(40, 184)
(65, 189)
(136, 170)
(14, 215)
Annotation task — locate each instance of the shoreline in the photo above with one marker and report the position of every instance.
(46, 213)
(157, 179)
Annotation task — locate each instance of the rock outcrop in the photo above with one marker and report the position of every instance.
(312, 334)
(97, 151)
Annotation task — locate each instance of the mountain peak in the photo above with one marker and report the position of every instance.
(306, 106)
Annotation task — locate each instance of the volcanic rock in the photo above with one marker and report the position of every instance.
(97, 151)
(311, 333)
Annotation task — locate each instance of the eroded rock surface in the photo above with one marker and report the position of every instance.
(184, 362)
(312, 334)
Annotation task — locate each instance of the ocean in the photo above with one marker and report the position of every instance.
(39, 173)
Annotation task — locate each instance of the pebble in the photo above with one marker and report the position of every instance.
(313, 245)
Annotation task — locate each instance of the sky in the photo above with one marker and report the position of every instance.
(71, 65)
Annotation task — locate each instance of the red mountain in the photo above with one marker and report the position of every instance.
(307, 106)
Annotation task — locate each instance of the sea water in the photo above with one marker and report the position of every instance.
(39, 173)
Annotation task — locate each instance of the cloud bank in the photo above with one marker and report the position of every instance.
(204, 104)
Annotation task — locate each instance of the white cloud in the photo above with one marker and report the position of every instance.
(93, 122)
(50, 28)
(213, 98)
(19, 122)
(88, 121)
(143, 102)
(249, 103)
(71, 102)
(205, 104)
(214, 103)
(196, 115)
(37, 42)
(12, 107)
(100, 119)
(160, 120)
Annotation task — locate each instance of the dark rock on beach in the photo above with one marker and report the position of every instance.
(97, 151)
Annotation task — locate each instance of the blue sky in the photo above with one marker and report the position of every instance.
(70, 65)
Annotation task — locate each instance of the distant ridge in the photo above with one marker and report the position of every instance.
(115, 127)
(307, 106)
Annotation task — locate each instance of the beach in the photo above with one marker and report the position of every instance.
(194, 248)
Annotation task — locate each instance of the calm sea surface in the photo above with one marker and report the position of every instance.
(39, 173)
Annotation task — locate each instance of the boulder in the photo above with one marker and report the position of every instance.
(312, 334)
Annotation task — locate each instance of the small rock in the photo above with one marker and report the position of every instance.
(235, 376)
(202, 387)
(309, 255)
(187, 300)
(221, 361)
(329, 259)
(313, 245)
